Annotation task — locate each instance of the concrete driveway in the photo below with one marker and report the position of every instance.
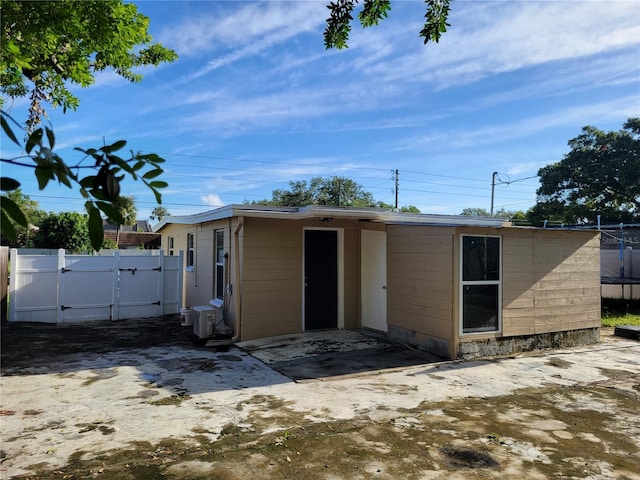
(75, 405)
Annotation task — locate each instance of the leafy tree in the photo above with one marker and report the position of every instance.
(475, 212)
(68, 230)
(337, 191)
(126, 206)
(336, 34)
(599, 176)
(109, 244)
(402, 209)
(159, 213)
(33, 214)
(500, 213)
(46, 46)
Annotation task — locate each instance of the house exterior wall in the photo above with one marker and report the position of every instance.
(420, 279)
(550, 284)
(272, 269)
(551, 281)
(199, 281)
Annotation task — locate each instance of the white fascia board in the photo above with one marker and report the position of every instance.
(319, 211)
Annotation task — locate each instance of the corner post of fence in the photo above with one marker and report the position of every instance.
(13, 278)
(163, 272)
(60, 286)
(115, 285)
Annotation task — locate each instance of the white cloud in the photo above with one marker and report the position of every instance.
(222, 24)
(495, 37)
(212, 200)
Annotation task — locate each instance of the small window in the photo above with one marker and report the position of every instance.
(170, 246)
(480, 286)
(220, 264)
(191, 251)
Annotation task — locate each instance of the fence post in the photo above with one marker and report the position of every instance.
(15, 265)
(180, 295)
(62, 263)
(163, 272)
(4, 281)
(115, 287)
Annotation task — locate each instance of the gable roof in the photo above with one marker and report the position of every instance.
(321, 211)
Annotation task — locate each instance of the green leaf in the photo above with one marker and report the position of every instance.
(34, 139)
(8, 184)
(153, 174)
(7, 129)
(88, 182)
(44, 175)
(12, 209)
(114, 147)
(111, 212)
(96, 231)
(158, 184)
(51, 137)
(8, 230)
(139, 164)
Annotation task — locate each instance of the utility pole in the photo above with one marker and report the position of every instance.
(493, 188)
(397, 183)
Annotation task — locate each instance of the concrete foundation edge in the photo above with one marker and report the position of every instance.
(426, 343)
(542, 341)
(489, 347)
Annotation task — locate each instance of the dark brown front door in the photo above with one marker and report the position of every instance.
(321, 279)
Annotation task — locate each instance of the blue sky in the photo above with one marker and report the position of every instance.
(255, 101)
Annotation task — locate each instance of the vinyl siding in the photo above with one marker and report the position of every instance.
(551, 281)
(420, 278)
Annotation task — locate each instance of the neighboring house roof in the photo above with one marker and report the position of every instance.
(134, 239)
(139, 226)
(319, 211)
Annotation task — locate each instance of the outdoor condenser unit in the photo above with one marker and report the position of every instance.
(204, 321)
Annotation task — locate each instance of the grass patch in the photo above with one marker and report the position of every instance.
(616, 320)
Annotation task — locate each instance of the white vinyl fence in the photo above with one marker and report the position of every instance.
(76, 288)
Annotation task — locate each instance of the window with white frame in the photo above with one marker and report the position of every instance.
(220, 264)
(191, 250)
(481, 292)
(170, 246)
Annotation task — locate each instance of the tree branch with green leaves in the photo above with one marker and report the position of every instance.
(98, 177)
(336, 34)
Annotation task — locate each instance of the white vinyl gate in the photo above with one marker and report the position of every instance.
(76, 288)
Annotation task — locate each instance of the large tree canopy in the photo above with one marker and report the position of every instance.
(336, 34)
(337, 191)
(599, 176)
(45, 46)
(334, 191)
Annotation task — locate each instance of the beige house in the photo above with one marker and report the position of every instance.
(459, 287)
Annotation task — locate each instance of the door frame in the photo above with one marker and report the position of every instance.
(339, 280)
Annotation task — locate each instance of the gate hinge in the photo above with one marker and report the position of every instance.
(157, 269)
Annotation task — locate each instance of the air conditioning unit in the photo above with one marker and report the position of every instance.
(220, 327)
(204, 321)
